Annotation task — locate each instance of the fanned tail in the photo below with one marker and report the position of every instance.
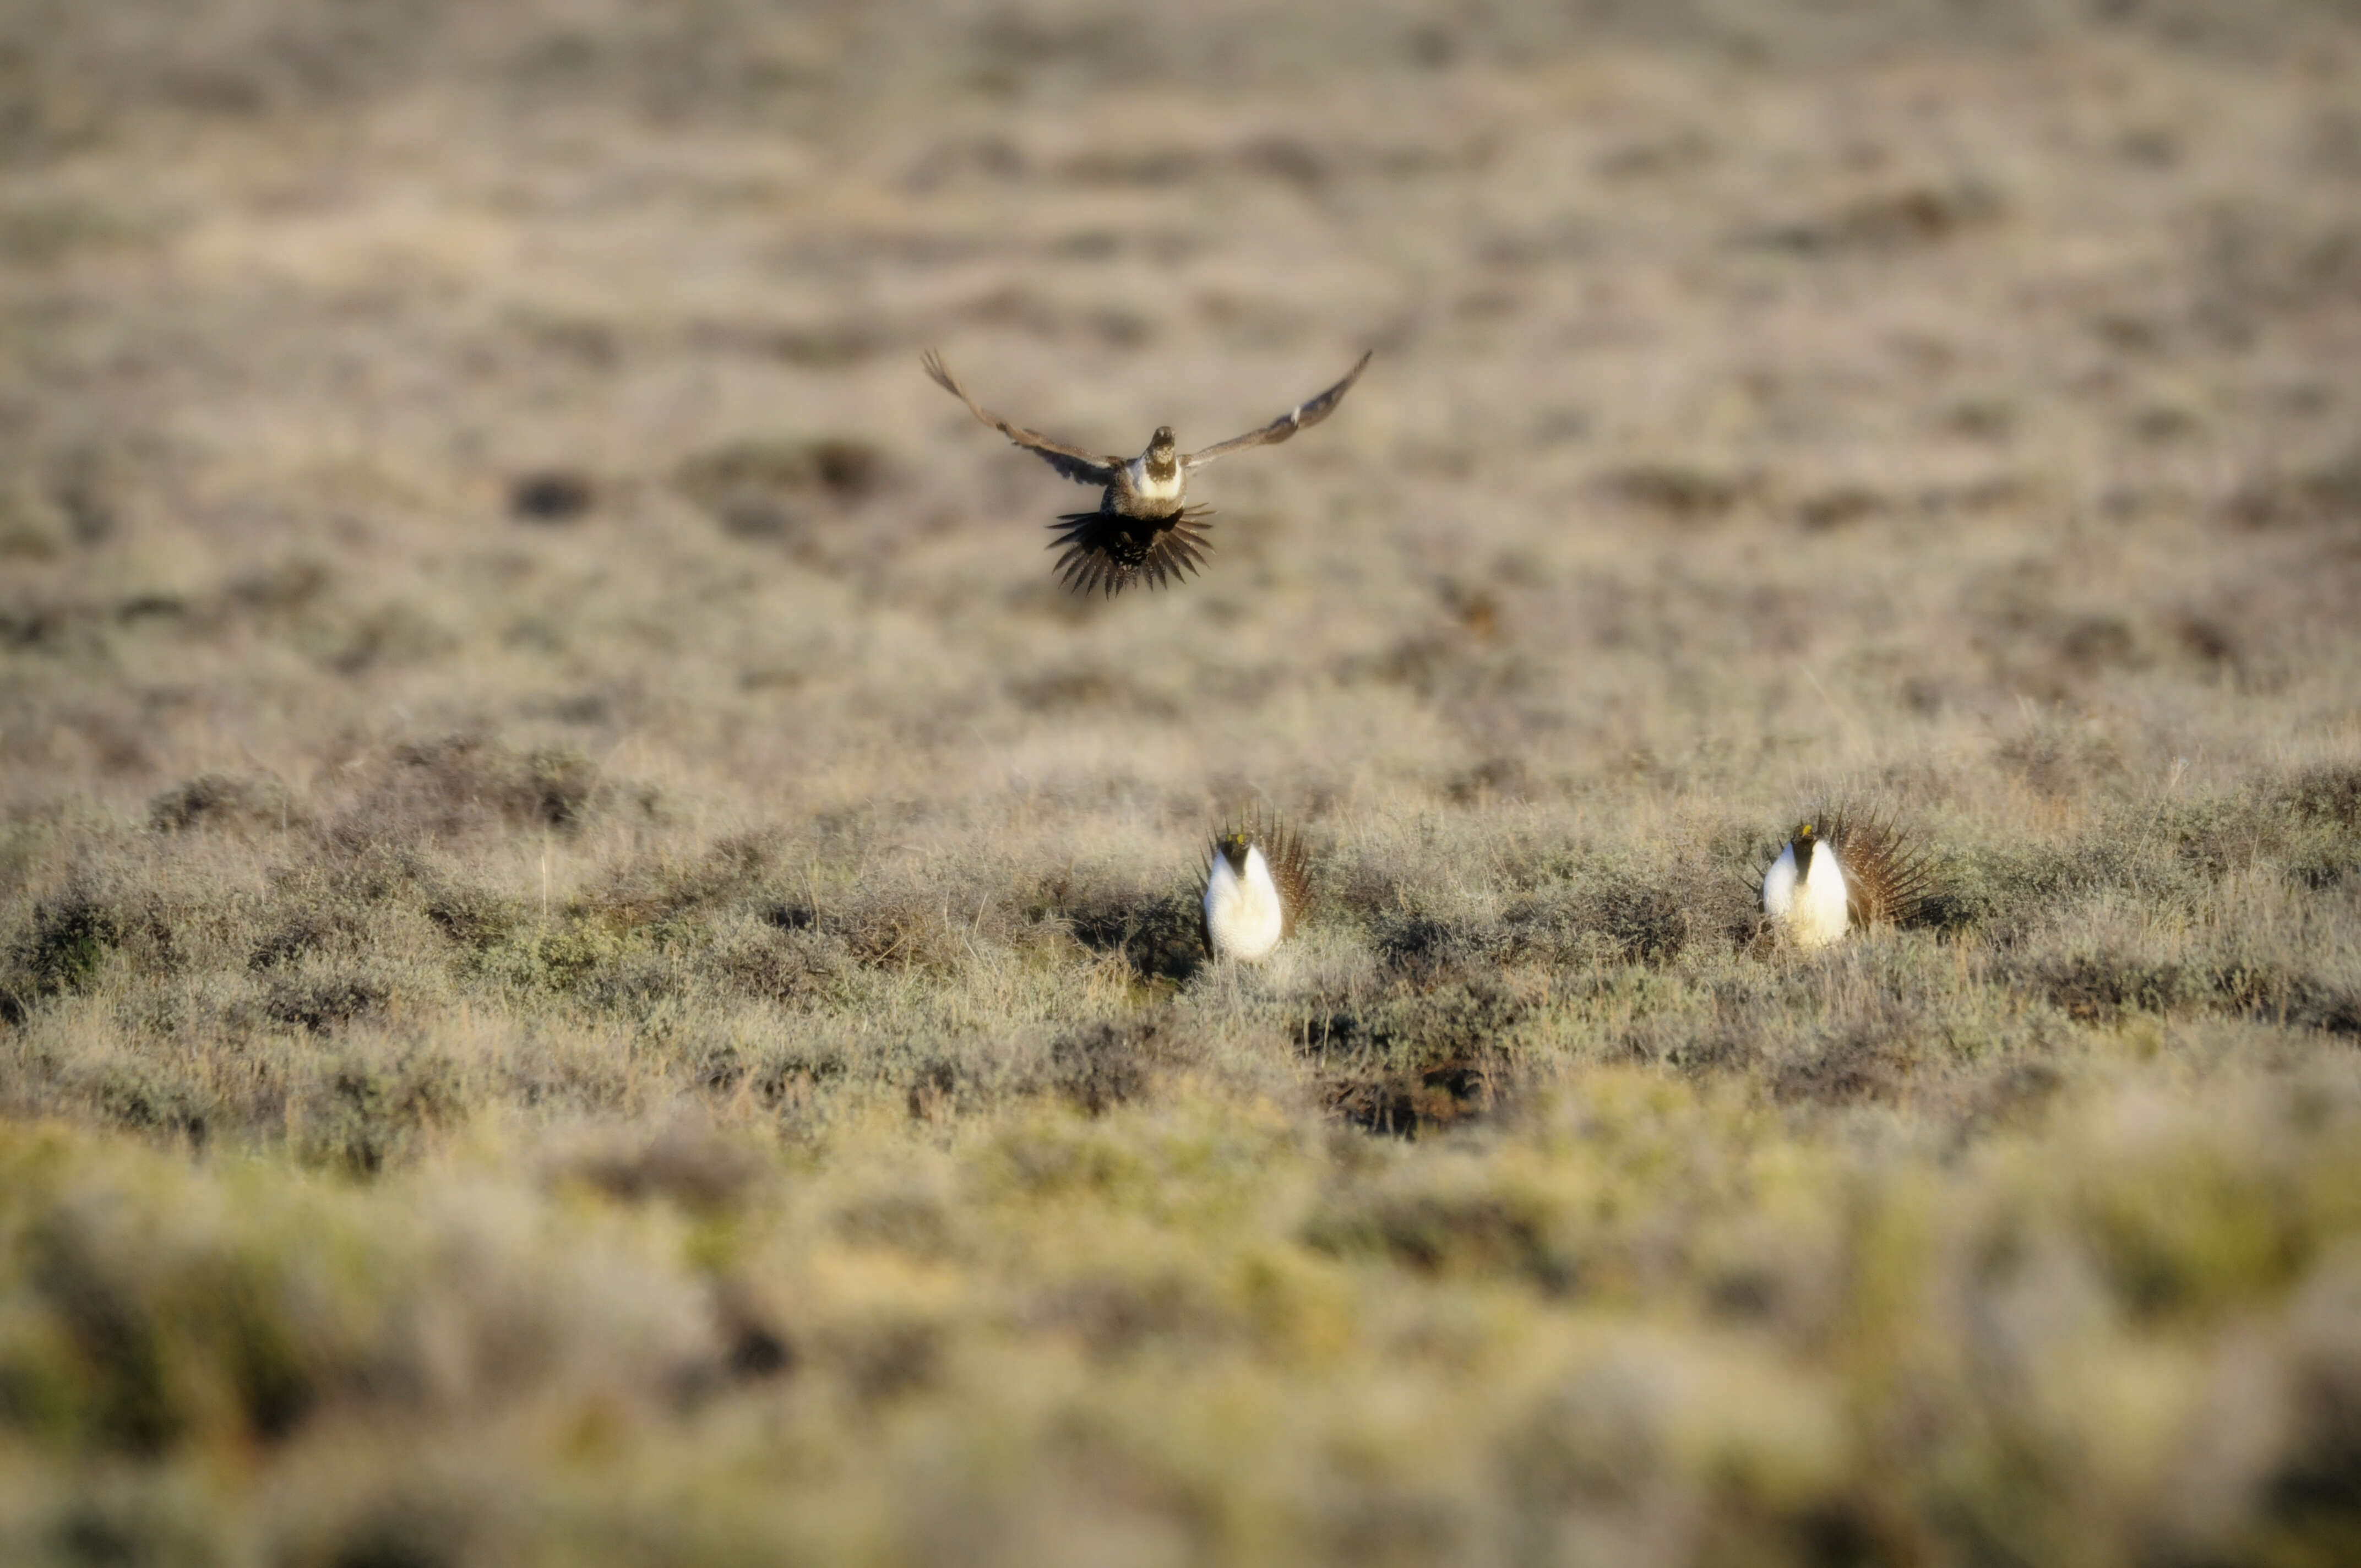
(1107, 551)
(1889, 875)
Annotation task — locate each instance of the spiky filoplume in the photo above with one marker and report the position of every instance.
(1882, 876)
(1887, 875)
(1246, 864)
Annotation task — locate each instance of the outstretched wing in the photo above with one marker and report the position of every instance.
(1072, 462)
(1286, 424)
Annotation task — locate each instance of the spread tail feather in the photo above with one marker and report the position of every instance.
(1109, 552)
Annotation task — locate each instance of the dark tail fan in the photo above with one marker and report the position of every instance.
(1888, 874)
(1109, 552)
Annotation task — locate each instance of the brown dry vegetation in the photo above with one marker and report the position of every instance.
(595, 966)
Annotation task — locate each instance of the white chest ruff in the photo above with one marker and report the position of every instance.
(1243, 914)
(1809, 905)
(1147, 488)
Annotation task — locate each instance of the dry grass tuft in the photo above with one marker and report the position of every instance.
(217, 800)
(466, 784)
(1419, 1060)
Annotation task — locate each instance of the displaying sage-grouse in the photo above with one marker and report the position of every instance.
(1852, 869)
(1257, 885)
(1144, 527)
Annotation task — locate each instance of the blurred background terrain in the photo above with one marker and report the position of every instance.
(597, 965)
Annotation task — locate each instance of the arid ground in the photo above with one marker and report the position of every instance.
(597, 966)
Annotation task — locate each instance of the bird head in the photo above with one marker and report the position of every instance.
(1160, 446)
(1233, 848)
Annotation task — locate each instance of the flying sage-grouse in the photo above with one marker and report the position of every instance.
(1144, 527)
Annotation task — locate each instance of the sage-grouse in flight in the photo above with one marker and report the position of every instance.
(1144, 527)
